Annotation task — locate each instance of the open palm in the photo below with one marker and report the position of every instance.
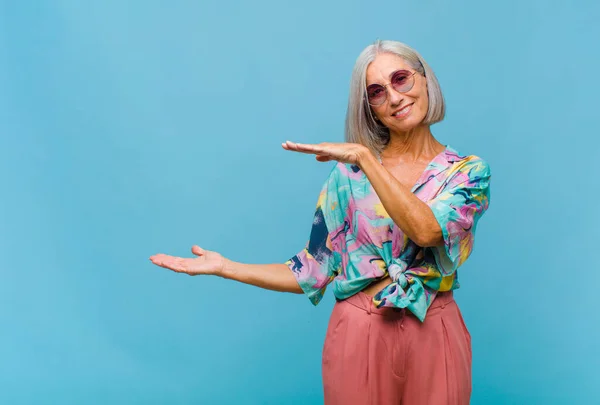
(207, 262)
(324, 152)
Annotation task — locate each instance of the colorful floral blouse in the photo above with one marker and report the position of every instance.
(353, 240)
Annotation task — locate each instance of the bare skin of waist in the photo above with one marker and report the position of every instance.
(377, 286)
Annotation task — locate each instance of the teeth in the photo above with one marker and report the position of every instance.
(402, 110)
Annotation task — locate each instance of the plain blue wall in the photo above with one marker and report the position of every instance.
(132, 128)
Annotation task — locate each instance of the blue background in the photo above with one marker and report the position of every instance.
(132, 128)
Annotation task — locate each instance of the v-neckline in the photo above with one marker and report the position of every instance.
(424, 174)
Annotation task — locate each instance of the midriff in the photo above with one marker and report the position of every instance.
(377, 286)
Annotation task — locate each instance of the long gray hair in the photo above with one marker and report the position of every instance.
(361, 126)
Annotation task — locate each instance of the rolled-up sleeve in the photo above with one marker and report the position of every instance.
(457, 210)
(320, 262)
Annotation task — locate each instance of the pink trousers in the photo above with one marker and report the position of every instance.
(386, 356)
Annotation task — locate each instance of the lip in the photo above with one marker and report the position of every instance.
(405, 113)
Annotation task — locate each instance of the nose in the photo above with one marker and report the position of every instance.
(395, 96)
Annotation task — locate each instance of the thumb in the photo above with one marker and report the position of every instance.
(197, 250)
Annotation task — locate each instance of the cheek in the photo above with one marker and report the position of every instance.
(423, 103)
(379, 112)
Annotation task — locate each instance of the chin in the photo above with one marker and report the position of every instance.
(408, 124)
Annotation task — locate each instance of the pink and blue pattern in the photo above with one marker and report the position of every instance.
(353, 241)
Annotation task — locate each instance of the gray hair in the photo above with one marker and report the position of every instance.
(361, 126)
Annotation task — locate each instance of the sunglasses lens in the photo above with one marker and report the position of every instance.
(376, 94)
(403, 81)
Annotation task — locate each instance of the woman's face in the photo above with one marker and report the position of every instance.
(400, 112)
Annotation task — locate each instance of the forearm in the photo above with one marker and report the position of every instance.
(407, 211)
(276, 277)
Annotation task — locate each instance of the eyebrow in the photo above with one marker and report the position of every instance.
(391, 75)
(400, 70)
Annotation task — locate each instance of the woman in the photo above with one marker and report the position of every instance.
(394, 221)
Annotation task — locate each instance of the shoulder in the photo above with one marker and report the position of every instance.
(476, 167)
(468, 166)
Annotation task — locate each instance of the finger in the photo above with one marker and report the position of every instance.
(162, 260)
(175, 264)
(302, 148)
(168, 262)
(156, 259)
(289, 145)
(322, 148)
(197, 250)
(180, 265)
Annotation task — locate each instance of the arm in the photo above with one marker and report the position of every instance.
(458, 209)
(276, 277)
(409, 213)
(307, 272)
(315, 266)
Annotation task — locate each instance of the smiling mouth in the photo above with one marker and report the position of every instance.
(403, 112)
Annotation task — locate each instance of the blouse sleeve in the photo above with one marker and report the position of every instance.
(320, 262)
(457, 210)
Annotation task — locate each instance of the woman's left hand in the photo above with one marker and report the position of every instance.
(352, 153)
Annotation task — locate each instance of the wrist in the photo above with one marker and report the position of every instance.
(367, 160)
(227, 269)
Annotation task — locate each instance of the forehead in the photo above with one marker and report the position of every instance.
(383, 66)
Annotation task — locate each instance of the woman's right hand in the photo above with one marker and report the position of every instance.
(207, 262)
(277, 277)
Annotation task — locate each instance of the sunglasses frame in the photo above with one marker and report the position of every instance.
(385, 87)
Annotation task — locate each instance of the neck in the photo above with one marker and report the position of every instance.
(416, 144)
